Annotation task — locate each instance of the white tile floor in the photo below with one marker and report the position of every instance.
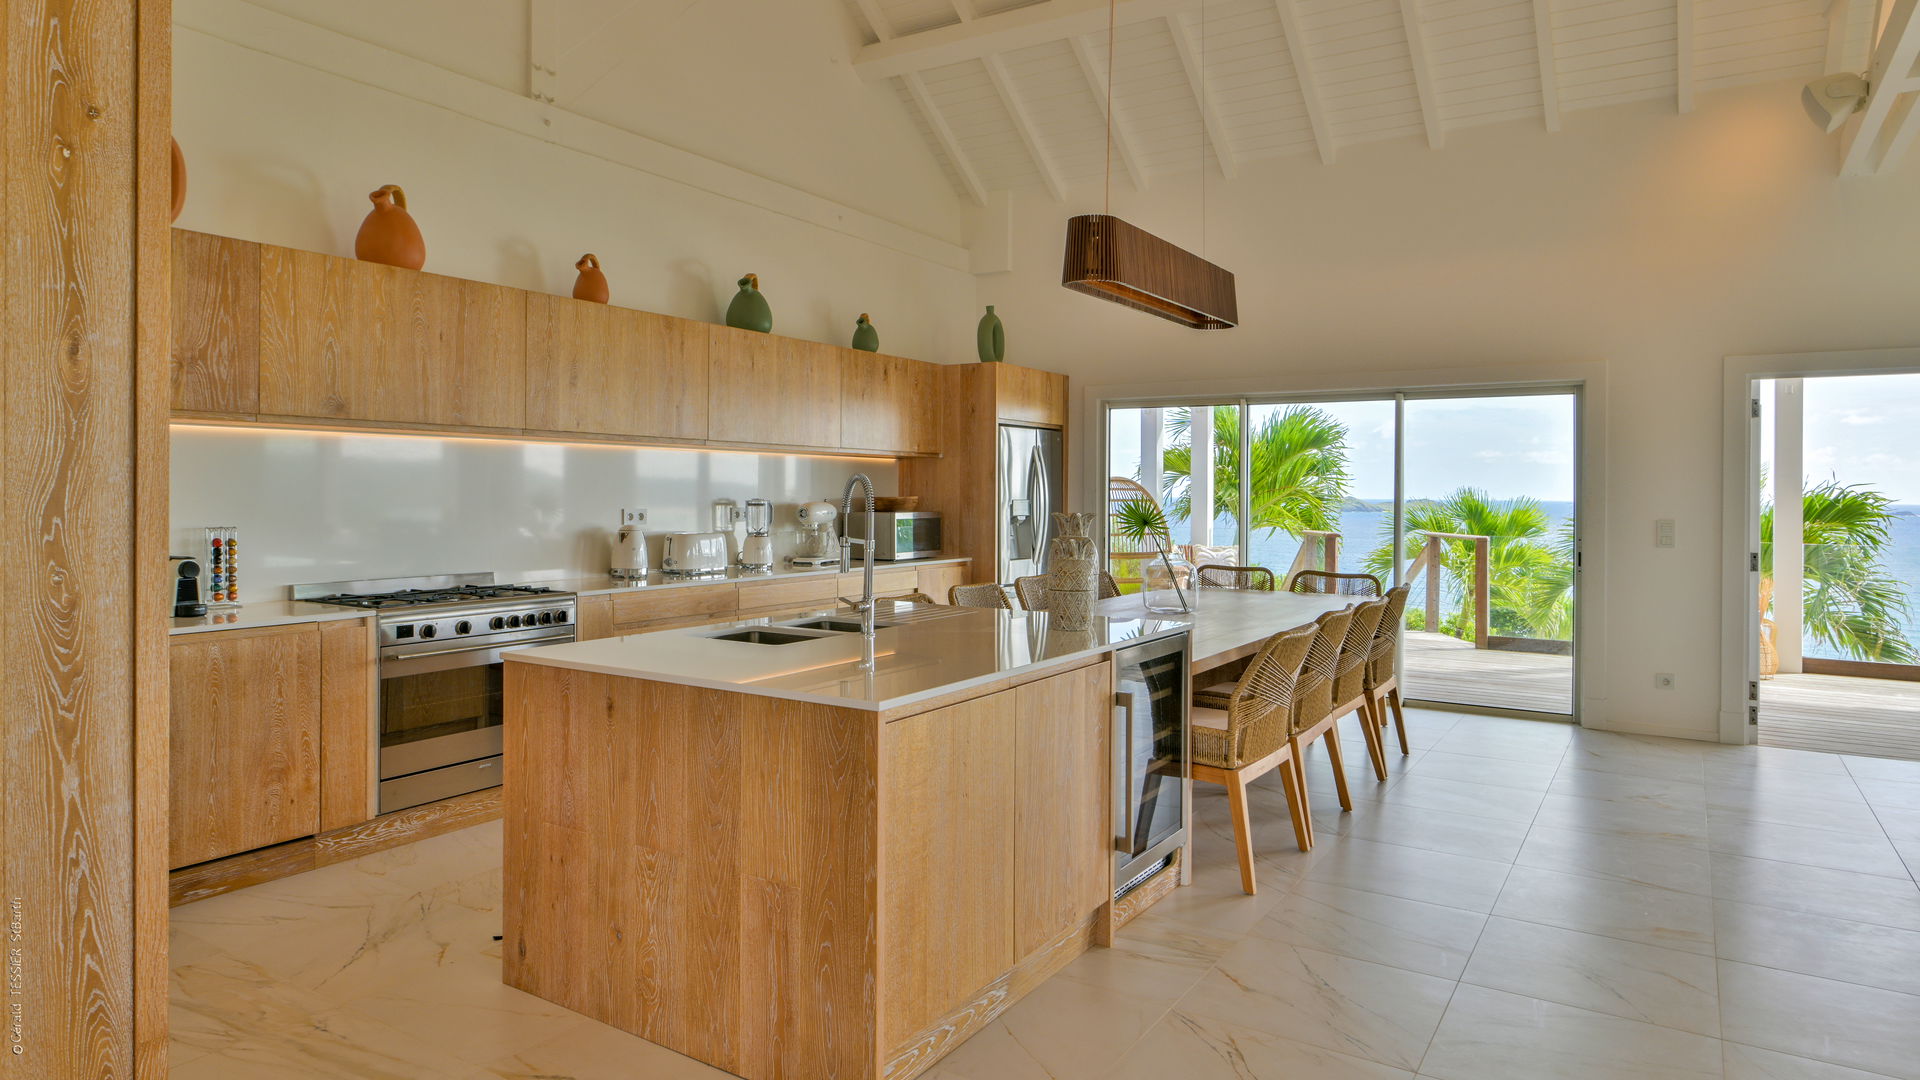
(1521, 901)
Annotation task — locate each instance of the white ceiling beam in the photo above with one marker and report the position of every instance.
(543, 50)
(1097, 83)
(1023, 126)
(1839, 30)
(917, 88)
(1005, 31)
(1202, 95)
(1549, 63)
(1684, 52)
(876, 19)
(1304, 76)
(964, 9)
(1423, 73)
(1872, 139)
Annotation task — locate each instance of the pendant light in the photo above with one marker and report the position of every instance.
(1110, 259)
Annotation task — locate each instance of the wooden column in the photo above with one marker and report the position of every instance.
(84, 273)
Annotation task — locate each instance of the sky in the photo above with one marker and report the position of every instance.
(1506, 446)
(1859, 430)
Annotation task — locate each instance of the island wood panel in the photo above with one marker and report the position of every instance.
(680, 602)
(245, 740)
(947, 861)
(608, 370)
(593, 618)
(887, 580)
(888, 403)
(1029, 396)
(349, 708)
(1061, 864)
(763, 389)
(216, 324)
(804, 593)
(350, 340)
(935, 581)
(704, 885)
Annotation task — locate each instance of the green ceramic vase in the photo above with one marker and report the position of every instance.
(865, 337)
(749, 310)
(993, 338)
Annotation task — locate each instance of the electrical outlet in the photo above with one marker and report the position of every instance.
(1663, 680)
(633, 517)
(1663, 532)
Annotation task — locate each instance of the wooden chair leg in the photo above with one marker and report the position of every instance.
(1339, 763)
(1399, 718)
(1297, 804)
(1376, 738)
(1242, 828)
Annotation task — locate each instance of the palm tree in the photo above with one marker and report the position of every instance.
(1530, 578)
(1299, 476)
(1851, 602)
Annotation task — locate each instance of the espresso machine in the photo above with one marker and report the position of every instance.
(819, 544)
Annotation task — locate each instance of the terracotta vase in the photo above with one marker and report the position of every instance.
(179, 168)
(750, 310)
(388, 235)
(865, 337)
(591, 285)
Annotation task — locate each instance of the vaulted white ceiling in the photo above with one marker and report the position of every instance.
(1012, 94)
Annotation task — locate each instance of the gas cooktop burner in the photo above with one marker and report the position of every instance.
(403, 598)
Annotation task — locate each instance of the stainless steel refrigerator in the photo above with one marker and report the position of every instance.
(1032, 487)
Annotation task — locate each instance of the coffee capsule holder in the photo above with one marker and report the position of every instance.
(221, 566)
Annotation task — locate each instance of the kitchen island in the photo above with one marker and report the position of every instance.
(793, 851)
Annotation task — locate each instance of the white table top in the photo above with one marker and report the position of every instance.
(1231, 625)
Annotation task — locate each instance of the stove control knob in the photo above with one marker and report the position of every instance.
(498, 622)
(463, 627)
(513, 620)
(560, 616)
(546, 618)
(427, 630)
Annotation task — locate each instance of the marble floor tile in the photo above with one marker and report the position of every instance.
(1153, 958)
(1644, 820)
(1063, 1030)
(1621, 978)
(583, 1049)
(1880, 956)
(1493, 1035)
(1843, 1023)
(1752, 1063)
(1858, 850)
(1427, 938)
(1435, 877)
(1610, 908)
(1495, 772)
(1899, 794)
(1627, 787)
(1515, 741)
(1823, 812)
(1873, 768)
(1194, 1047)
(1779, 757)
(1424, 792)
(1722, 776)
(1667, 864)
(1368, 1010)
(1391, 822)
(1859, 897)
(1636, 759)
(1900, 824)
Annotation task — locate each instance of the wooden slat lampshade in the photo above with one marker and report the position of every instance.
(1110, 259)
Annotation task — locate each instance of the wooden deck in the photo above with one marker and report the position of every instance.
(1446, 669)
(1842, 715)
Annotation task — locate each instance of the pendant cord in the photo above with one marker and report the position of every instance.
(1113, 10)
(1202, 81)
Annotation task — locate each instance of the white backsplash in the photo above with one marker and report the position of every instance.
(324, 506)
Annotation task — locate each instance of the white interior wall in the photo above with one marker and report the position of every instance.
(1653, 243)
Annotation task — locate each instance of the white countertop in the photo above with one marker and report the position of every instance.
(934, 650)
(264, 613)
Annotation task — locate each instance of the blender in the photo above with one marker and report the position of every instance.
(756, 551)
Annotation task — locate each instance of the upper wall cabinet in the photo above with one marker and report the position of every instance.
(1030, 396)
(216, 324)
(350, 340)
(888, 403)
(614, 371)
(763, 389)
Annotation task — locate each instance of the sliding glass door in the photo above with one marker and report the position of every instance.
(1468, 498)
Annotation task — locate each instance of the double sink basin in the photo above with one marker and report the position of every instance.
(794, 633)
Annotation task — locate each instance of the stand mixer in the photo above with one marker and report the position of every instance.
(819, 545)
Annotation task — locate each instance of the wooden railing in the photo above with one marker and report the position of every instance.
(1432, 560)
(1312, 540)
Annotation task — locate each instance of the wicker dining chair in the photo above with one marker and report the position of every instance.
(1350, 680)
(1238, 578)
(1383, 670)
(1107, 588)
(1323, 581)
(989, 595)
(1032, 591)
(1250, 738)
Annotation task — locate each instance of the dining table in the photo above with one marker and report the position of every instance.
(1230, 625)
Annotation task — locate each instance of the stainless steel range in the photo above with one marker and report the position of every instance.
(441, 639)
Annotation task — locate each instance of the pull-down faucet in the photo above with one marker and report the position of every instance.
(864, 605)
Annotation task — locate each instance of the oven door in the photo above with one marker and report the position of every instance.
(440, 724)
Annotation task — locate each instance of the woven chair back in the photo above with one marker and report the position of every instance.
(1314, 696)
(1032, 591)
(1356, 650)
(1321, 581)
(1386, 638)
(990, 595)
(1242, 578)
(1260, 714)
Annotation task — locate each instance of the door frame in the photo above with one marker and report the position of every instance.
(1588, 378)
(1740, 511)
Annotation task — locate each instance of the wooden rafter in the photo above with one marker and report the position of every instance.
(1303, 75)
(1423, 72)
(1097, 83)
(1549, 63)
(1023, 126)
(1202, 95)
(1886, 122)
(917, 89)
(1685, 52)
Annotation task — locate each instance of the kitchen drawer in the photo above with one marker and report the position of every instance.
(886, 580)
(674, 603)
(649, 625)
(799, 593)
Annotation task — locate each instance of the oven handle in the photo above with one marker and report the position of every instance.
(1124, 842)
(450, 659)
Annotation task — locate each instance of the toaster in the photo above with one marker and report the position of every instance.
(689, 553)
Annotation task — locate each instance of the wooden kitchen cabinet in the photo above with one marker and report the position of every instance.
(793, 594)
(245, 757)
(767, 390)
(216, 325)
(887, 580)
(648, 609)
(888, 403)
(349, 722)
(1030, 396)
(350, 340)
(614, 371)
(935, 581)
(593, 618)
(1061, 854)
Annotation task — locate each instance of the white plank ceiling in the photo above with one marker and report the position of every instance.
(1011, 94)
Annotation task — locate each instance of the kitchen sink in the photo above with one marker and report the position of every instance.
(768, 637)
(838, 626)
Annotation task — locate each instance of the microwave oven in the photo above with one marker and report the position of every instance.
(902, 535)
